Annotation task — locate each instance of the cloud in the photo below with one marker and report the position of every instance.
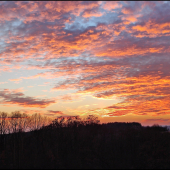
(54, 113)
(13, 97)
(104, 49)
(69, 98)
(75, 40)
(3, 82)
(94, 12)
(142, 84)
(16, 80)
(160, 121)
(112, 5)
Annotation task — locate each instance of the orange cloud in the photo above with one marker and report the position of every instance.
(16, 80)
(142, 93)
(112, 5)
(151, 29)
(3, 82)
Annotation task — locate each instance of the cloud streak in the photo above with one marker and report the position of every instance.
(12, 97)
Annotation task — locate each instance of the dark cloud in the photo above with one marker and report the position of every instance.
(56, 112)
(161, 119)
(12, 97)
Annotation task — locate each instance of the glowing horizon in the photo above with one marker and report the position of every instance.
(110, 59)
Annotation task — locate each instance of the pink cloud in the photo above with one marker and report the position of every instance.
(112, 5)
(3, 82)
(16, 80)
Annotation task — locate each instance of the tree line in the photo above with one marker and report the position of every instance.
(74, 142)
(21, 122)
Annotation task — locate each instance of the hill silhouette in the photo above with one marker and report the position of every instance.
(71, 142)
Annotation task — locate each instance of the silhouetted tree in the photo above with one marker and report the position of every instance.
(92, 120)
(3, 124)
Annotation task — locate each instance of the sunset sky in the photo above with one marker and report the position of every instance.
(110, 59)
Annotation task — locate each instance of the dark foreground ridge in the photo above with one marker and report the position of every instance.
(87, 144)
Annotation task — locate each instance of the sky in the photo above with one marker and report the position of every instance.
(110, 59)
